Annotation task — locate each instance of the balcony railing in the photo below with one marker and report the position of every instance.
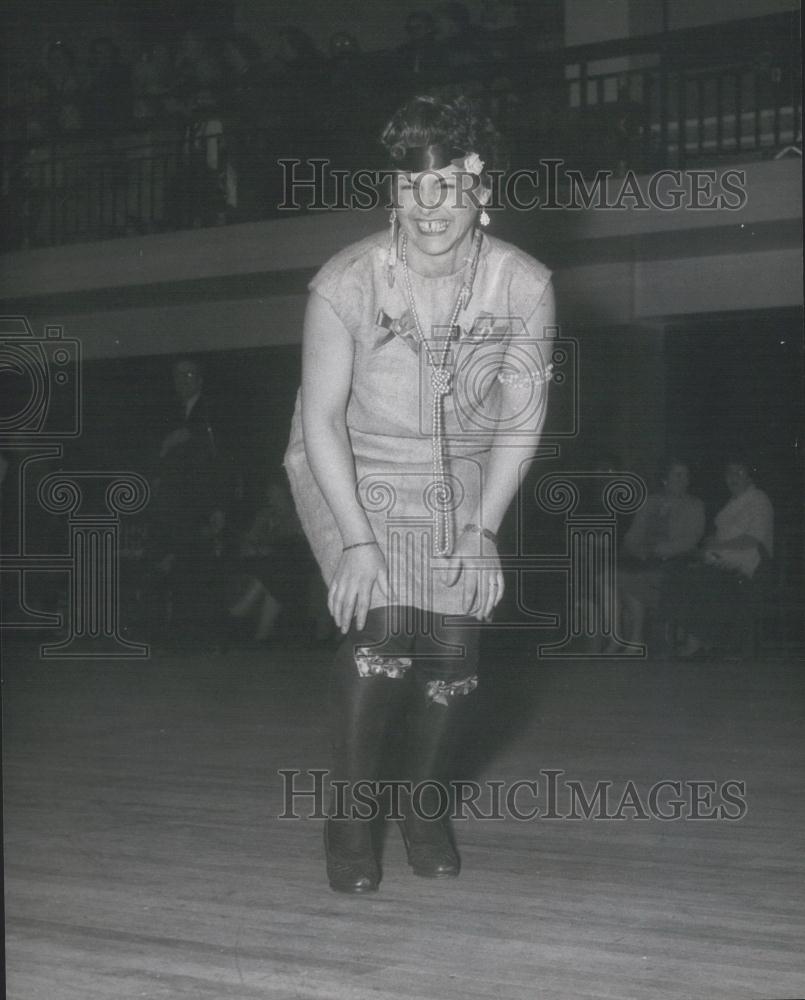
(635, 104)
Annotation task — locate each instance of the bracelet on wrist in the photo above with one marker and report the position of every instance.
(477, 529)
(358, 545)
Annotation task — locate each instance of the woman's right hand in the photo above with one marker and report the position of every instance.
(359, 571)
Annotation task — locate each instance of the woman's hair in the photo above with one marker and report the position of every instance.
(456, 122)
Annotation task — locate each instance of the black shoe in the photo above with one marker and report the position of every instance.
(429, 848)
(350, 868)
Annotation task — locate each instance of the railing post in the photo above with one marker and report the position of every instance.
(738, 110)
(682, 119)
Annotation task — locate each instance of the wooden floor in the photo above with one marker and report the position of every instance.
(144, 857)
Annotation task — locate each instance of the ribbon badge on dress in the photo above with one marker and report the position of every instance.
(404, 328)
(489, 327)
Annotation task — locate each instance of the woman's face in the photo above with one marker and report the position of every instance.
(437, 208)
(677, 481)
(737, 478)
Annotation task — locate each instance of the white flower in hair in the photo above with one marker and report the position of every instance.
(473, 163)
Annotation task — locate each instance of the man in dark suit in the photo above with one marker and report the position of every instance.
(192, 490)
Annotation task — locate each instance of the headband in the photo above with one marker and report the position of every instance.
(433, 157)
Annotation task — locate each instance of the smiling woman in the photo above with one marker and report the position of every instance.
(421, 407)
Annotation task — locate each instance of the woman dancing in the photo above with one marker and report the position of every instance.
(421, 405)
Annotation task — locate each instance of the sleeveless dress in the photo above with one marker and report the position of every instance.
(389, 413)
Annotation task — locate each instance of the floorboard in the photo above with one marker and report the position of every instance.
(144, 857)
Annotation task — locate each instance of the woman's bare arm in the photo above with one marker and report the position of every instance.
(509, 461)
(327, 359)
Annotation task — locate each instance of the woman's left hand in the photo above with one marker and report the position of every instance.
(483, 585)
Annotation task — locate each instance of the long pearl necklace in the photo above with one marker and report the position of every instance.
(442, 384)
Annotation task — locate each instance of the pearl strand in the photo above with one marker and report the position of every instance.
(441, 384)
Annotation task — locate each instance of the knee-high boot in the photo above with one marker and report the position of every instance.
(362, 708)
(433, 726)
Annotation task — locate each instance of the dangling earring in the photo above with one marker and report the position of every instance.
(483, 218)
(391, 256)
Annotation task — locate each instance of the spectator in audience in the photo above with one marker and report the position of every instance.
(64, 88)
(355, 105)
(420, 54)
(297, 91)
(710, 598)
(208, 574)
(109, 94)
(461, 41)
(190, 504)
(667, 527)
(39, 120)
(152, 79)
(346, 65)
(203, 188)
(276, 564)
(299, 59)
(199, 75)
(244, 83)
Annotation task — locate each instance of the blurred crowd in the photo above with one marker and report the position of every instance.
(216, 557)
(102, 139)
(188, 131)
(197, 74)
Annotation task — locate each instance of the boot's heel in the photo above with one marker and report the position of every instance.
(430, 855)
(350, 869)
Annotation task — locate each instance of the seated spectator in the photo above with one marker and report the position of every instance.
(209, 571)
(666, 528)
(277, 566)
(710, 598)
(191, 496)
